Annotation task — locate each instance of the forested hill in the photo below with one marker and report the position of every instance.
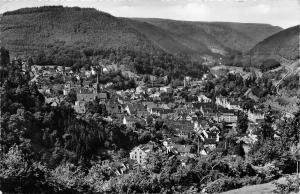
(58, 29)
(214, 36)
(282, 44)
(61, 31)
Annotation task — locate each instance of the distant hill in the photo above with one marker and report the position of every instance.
(282, 44)
(164, 39)
(56, 28)
(219, 37)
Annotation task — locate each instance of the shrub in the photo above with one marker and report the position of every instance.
(222, 184)
(269, 64)
(291, 185)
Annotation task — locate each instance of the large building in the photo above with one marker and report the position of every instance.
(140, 153)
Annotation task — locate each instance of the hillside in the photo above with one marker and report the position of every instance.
(282, 44)
(31, 29)
(219, 37)
(56, 30)
(164, 39)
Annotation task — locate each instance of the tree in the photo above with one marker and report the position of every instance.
(4, 57)
(266, 130)
(242, 123)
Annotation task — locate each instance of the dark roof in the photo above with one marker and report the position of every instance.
(208, 141)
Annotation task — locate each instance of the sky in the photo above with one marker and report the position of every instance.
(283, 13)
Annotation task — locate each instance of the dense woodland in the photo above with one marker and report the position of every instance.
(50, 149)
(159, 63)
(60, 29)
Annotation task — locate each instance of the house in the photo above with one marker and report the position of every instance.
(155, 95)
(141, 152)
(201, 125)
(211, 139)
(85, 95)
(254, 116)
(186, 81)
(114, 108)
(167, 89)
(227, 117)
(102, 96)
(182, 134)
(203, 98)
(132, 109)
(182, 149)
(150, 105)
(197, 83)
(140, 89)
(79, 107)
(108, 85)
(178, 149)
(88, 95)
(180, 100)
(164, 106)
(52, 101)
(67, 89)
(231, 105)
(142, 113)
(129, 122)
(160, 112)
(152, 78)
(93, 71)
(49, 91)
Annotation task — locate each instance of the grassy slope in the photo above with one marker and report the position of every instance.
(266, 188)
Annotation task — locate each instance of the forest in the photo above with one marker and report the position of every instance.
(159, 63)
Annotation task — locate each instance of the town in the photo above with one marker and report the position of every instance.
(194, 116)
(93, 102)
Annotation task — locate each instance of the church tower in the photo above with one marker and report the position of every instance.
(96, 87)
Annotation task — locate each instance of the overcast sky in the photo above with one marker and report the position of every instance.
(284, 13)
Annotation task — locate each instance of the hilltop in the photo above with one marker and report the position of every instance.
(57, 30)
(29, 30)
(282, 44)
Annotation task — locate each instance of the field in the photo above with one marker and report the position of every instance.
(266, 188)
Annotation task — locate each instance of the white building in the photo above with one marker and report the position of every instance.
(203, 98)
(79, 107)
(129, 122)
(227, 104)
(140, 153)
(227, 117)
(166, 89)
(255, 116)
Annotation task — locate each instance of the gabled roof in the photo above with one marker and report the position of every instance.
(131, 119)
(135, 107)
(182, 148)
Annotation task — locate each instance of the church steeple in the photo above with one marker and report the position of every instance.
(96, 85)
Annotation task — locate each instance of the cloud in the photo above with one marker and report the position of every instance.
(263, 8)
(196, 11)
(276, 12)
